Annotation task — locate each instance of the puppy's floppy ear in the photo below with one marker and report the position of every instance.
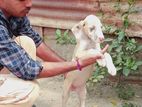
(77, 27)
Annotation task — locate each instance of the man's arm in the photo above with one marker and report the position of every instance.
(55, 68)
(47, 54)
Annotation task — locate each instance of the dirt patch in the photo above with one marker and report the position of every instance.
(102, 95)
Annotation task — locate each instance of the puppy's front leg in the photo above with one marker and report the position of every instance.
(88, 53)
(101, 62)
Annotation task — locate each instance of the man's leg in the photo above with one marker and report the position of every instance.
(29, 46)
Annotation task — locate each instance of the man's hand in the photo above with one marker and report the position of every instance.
(105, 49)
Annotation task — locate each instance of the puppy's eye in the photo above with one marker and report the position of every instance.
(83, 24)
(77, 27)
(92, 28)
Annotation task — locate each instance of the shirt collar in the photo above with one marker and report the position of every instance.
(2, 15)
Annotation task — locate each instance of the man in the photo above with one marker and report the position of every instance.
(17, 57)
(13, 22)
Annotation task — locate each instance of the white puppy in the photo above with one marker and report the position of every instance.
(88, 34)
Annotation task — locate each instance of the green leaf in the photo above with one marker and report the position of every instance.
(58, 33)
(126, 23)
(139, 48)
(126, 71)
(66, 33)
(139, 63)
(73, 41)
(118, 68)
(121, 35)
(119, 49)
(133, 41)
(100, 76)
(134, 67)
(61, 41)
(95, 80)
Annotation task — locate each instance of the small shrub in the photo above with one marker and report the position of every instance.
(125, 91)
(64, 38)
(130, 105)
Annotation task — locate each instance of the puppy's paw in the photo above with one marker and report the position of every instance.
(101, 62)
(112, 70)
(109, 64)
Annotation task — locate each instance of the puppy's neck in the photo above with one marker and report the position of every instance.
(80, 46)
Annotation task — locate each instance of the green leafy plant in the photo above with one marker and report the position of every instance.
(126, 47)
(97, 76)
(125, 59)
(125, 91)
(130, 105)
(123, 49)
(64, 37)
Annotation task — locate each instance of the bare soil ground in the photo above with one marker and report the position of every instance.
(102, 95)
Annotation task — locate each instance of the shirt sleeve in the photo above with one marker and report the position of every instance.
(16, 59)
(26, 29)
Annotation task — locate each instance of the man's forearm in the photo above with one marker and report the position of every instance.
(55, 68)
(47, 54)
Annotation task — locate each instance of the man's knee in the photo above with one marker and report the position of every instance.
(22, 40)
(28, 44)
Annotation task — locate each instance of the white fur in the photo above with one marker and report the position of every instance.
(88, 34)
